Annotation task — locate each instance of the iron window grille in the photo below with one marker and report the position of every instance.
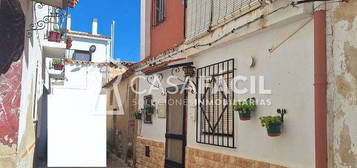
(215, 116)
(159, 12)
(147, 116)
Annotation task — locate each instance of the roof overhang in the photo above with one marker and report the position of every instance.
(164, 66)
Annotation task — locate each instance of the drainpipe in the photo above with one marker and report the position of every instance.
(320, 83)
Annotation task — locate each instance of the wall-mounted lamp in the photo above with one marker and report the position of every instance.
(282, 113)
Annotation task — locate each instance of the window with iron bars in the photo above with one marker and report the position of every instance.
(147, 116)
(159, 12)
(215, 116)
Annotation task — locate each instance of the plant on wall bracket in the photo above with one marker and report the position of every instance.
(245, 108)
(57, 64)
(137, 115)
(272, 124)
(69, 40)
(149, 109)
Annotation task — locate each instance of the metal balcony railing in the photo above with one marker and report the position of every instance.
(202, 15)
(56, 24)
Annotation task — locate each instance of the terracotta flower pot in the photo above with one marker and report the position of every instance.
(68, 43)
(58, 67)
(54, 36)
(72, 3)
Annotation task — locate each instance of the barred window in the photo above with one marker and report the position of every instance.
(147, 116)
(159, 12)
(215, 116)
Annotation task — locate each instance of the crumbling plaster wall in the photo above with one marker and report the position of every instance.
(342, 84)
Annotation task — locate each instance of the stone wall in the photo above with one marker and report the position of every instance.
(196, 158)
(157, 154)
(342, 83)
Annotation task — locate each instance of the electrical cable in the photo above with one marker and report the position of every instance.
(175, 52)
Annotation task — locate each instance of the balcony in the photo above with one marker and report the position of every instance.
(59, 3)
(56, 68)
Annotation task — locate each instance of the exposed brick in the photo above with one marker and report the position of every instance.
(196, 158)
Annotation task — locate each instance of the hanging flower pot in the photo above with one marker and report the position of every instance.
(69, 42)
(245, 108)
(274, 130)
(273, 125)
(58, 67)
(137, 115)
(54, 36)
(245, 115)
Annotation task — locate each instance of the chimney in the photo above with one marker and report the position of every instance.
(69, 22)
(95, 26)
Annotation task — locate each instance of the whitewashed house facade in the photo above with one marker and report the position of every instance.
(276, 48)
(77, 102)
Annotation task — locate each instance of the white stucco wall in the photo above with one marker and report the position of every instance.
(288, 73)
(77, 121)
(77, 110)
(32, 67)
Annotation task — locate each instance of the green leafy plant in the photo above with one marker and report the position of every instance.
(59, 30)
(137, 115)
(56, 62)
(270, 121)
(149, 109)
(246, 106)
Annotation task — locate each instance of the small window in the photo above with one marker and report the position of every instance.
(147, 116)
(82, 56)
(147, 151)
(159, 11)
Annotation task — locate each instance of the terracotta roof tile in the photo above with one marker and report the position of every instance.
(88, 35)
(160, 66)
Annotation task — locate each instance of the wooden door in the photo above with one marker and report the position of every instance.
(175, 128)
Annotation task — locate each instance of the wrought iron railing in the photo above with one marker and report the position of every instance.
(54, 19)
(202, 15)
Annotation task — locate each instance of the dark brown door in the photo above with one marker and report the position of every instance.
(175, 128)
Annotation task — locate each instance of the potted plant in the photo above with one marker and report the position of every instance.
(57, 64)
(273, 125)
(72, 3)
(137, 115)
(149, 109)
(56, 35)
(245, 108)
(69, 42)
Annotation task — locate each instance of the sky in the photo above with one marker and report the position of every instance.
(126, 14)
